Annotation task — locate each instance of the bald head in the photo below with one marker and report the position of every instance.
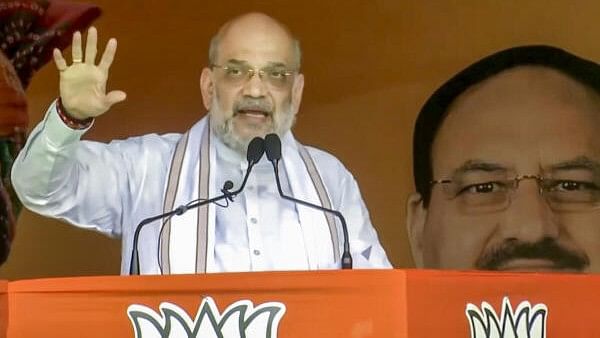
(524, 85)
(256, 27)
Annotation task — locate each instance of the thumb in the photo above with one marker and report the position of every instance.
(115, 96)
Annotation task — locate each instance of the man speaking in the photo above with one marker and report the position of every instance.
(252, 87)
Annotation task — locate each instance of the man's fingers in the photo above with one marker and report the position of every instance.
(108, 55)
(90, 46)
(60, 62)
(115, 96)
(76, 48)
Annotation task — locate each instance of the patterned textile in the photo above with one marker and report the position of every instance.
(29, 31)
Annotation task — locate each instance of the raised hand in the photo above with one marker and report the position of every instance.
(83, 83)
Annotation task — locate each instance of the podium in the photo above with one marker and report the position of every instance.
(350, 304)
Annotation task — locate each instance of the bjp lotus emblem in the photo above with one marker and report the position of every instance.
(525, 321)
(240, 319)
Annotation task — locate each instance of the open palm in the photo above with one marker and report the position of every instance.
(83, 83)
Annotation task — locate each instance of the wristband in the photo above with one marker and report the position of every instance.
(70, 121)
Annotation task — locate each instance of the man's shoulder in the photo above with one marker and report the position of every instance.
(325, 161)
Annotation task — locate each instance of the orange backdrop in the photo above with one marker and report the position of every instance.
(369, 66)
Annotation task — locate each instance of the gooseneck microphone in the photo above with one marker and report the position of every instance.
(273, 151)
(256, 149)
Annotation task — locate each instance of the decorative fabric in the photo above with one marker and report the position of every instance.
(29, 31)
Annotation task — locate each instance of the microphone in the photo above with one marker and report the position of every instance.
(228, 185)
(273, 150)
(256, 149)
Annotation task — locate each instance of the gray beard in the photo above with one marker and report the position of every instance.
(225, 131)
(227, 135)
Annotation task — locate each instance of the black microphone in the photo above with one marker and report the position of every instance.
(273, 150)
(228, 185)
(256, 149)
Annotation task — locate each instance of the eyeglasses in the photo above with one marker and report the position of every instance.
(275, 76)
(494, 194)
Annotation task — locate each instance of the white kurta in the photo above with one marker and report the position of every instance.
(112, 187)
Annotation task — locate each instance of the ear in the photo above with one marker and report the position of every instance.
(207, 87)
(297, 90)
(416, 215)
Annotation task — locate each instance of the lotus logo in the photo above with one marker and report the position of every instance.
(525, 321)
(241, 319)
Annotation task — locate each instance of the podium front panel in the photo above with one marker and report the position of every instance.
(348, 304)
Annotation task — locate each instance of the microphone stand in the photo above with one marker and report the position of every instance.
(255, 151)
(134, 265)
(273, 150)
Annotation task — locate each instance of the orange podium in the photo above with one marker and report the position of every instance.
(358, 303)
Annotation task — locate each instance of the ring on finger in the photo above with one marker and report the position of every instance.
(77, 60)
